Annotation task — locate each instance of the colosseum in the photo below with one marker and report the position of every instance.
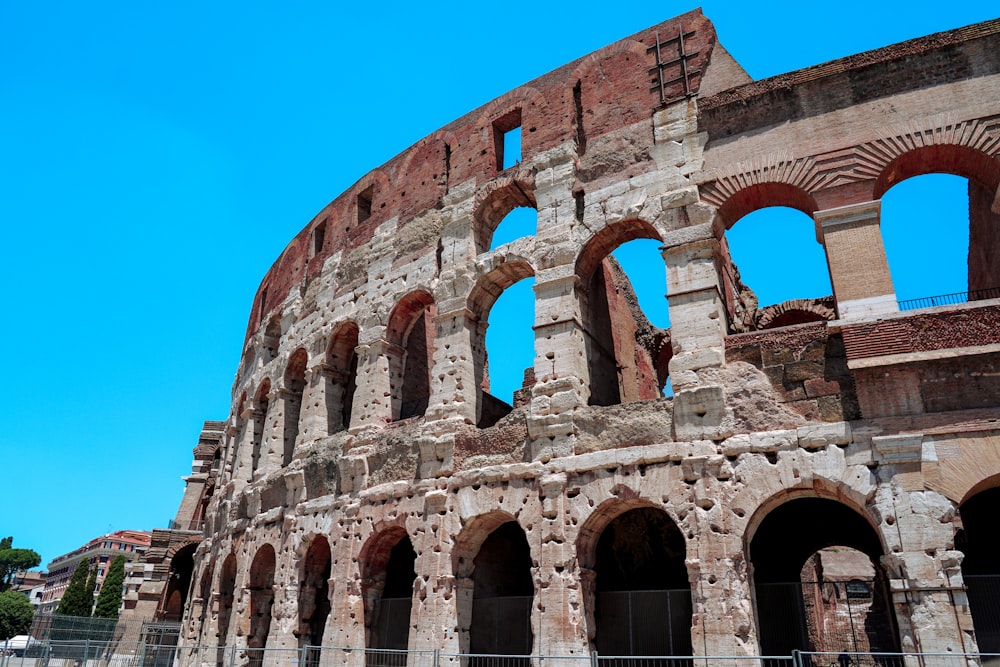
(748, 482)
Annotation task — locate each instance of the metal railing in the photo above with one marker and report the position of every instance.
(100, 654)
(950, 299)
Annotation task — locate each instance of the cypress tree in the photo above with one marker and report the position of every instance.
(77, 600)
(110, 597)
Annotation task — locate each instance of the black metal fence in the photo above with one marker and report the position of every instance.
(950, 299)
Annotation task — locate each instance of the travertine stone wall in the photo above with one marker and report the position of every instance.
(755, 421)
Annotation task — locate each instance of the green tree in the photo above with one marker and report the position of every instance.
(15, 614)
(77, 600)
(110, 597)
(13, 561)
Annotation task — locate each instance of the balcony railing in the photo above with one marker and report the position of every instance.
(950, 299)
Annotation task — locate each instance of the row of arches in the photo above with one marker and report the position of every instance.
(816, 569)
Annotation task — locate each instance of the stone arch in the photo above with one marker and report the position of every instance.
(175, 593)
(785, 533)
(227, 600)
(410, 334)
(493, 570)
(295, 384)
(272, 337)
(205, 598)
(314, 594)
(982, 171)
(387, 575)
(636, 590)
(496, 199)
(486, 291)
(794, 311)
(627, 356)
(260, 585)
(756, 196)
(622, 65)
(340, 375)
(258, 423)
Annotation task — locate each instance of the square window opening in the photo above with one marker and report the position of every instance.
(507, 139)
(365, 198)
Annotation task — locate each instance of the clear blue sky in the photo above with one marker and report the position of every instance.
(155, 158)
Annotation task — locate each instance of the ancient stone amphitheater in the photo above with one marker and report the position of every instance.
(814, 463)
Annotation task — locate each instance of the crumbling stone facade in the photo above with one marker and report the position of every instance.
(373, 494)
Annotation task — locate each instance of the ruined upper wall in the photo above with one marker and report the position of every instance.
(605, 91)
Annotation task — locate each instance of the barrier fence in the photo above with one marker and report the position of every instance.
(101, 654)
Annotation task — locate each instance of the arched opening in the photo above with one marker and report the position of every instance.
(503, 303)
(493, 206)
(937, 212)
(627, 337)
(227, 598)
(642, 597)
(295, 384)
(258, 421)
(498, 573)
(772, 259)
(979, 540)
(261, 585)
(519, 223)
(925, 223)
(340, 375)
(205, 596)
(178, 584)
(314, 598)
(804, 551)
(272, 335)
(411, 336)
(388, 572)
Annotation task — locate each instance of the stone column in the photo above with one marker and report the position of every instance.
(697, 331)
(454, 376)
(372, 398)
(562, 377)
(925, 577)
(273, 442)
(859, 270)
(558, 604)
(313, 410)
(243, 457)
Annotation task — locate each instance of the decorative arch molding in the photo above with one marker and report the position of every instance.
(802, 310)
(498, 197)
(471, 538)
(772, 179)
(490, 286)
(404, 314)
(604, 514)
(629, 46)
(605, 240)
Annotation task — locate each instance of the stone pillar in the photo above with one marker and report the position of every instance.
(560, 364)
(313, 410)
(273, 442)
(456, 370)
(697, 331)
(372, 398)
(435, 589)
(859, 270)
(558, 605)
(925, 578)
(244, 470)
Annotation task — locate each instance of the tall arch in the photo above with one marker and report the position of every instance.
(340, 375)
(227, 598)
(787, 553)
(314, 597)
(258, 424)
(489, 288)
(637, 582)
(979, 540)
(175, 594)
(493, 561)
(295, 384)
(387, 576)
(205, 595)
(410, 333)
(498, 198)
(261, 587)
(627, 356)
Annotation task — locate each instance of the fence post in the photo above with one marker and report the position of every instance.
(232, 657)
(86, 651)
(437, 657)
(797, 657)
(593, 659)
(302, 658)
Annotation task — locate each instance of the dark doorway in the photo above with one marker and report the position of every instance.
(792, 554)
(643, 597)
(314, 598)
(979, 540)
(503, 591)
(261, 586)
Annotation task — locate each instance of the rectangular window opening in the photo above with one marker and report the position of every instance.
(319, 237)
(365, 203)
(507, 139)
